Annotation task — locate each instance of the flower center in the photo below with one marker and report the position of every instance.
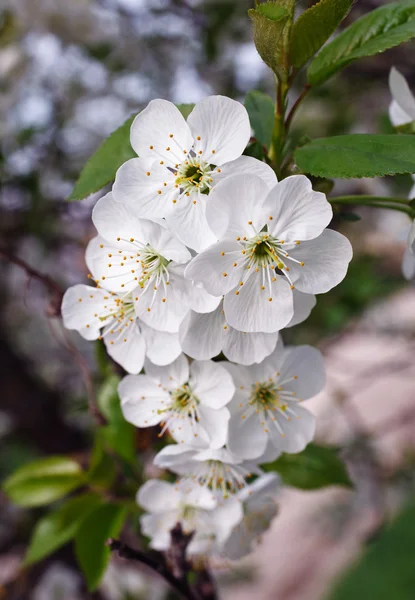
(217, 475)
(152, 265)
(184, 401)
(266, 396)
(117, 316)
(193, 174)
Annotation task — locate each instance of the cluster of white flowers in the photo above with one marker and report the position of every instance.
(200, 250)
(402, 112)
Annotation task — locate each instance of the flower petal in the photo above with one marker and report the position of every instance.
(234, 203)
(221, 129)
(214, 268)
(299, 213)
(215, 423)
(200, 301)
(157, 496)
(252, 310)
(211, 383)
(326, 260)
(246, 437)
(298, 431)
(107, 265)
(307, 365)
(128, 348)
(160, 131)
(158, 527)
(201, 334)
(197, 496)
(142, 399)
(246, 165)
(303, 305)
(248, 348)
(188, 220)
(162, 347)
(408, 265)
(146, 186)
(403, 97)
(171, 376)
(80, 305)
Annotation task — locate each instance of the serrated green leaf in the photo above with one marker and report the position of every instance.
(43, 481)
(58, 527)
(260, 109)
(117, 434)
(271, 10)
(313, 468)
(360, 155)
(314, 27)
(91, 553)
(269, 22)
(386, 571)
(379, 30)
(103, 164)
(185, 109)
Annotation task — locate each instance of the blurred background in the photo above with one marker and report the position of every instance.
(70, 73)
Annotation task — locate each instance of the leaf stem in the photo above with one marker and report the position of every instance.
(296, 104)
(399, 204)
(278, 133)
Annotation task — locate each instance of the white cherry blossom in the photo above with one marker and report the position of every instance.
(204, 336)
(179, 163)
(97, 313)
(266, 407)
(145, 258)
(402, 107)
(216, 469)
(270, 243)
(197, 509)
(259, 508)
(189, 401)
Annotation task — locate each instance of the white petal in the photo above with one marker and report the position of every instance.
(158, 497)
(196, 495)
(158, 127)
(162, 347)
(402, 95)
(107, 265)
(214, 268)
(171, 376)
(411, 238)
(326, 260)
(200, 301)
(145, 186)
(246, 437)
(248, 348)
(307, 364)
(215, 423)
(252, 311)
(211, 383)
(298, 432)
(266, 485)
(187, 432)
(234, 203)
(223, 127)
(80, 304)
(142, 399)
(299, 213)
(303, 305)
(408, 264)
(225, 517)
(270, 365)
(175, 457)
(188, 220)
(168, 305)
(158, 527)
(246, 165)
(242, 378)
(127, 348)
(201, 334)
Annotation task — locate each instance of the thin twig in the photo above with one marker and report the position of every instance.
(296, 104)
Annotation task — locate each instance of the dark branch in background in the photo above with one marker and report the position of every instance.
(296, 104)
(174, 567)
(54, 310)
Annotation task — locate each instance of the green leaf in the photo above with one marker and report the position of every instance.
(379, 30)
(104, 163)
(348, 216)
(91, 552)
(360, 155)
(185, 109)
(59, 527)
(314, 27)
(260, 109)
(43, 481)
(313, 468)
(102, 471)
(118, 434)
(269, 22)
(386, 571)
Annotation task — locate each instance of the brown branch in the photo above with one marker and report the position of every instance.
(296, 104)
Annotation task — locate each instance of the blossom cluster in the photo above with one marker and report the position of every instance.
(202, 252)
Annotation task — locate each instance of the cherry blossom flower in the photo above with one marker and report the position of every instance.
(402, 107)
(259, 508)
(145, 258)
(198, 510)
(266, 406)
(189, 402)
(204, 336)
(270, 243)
(216, 469)
(97, 313)
(180, 162)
